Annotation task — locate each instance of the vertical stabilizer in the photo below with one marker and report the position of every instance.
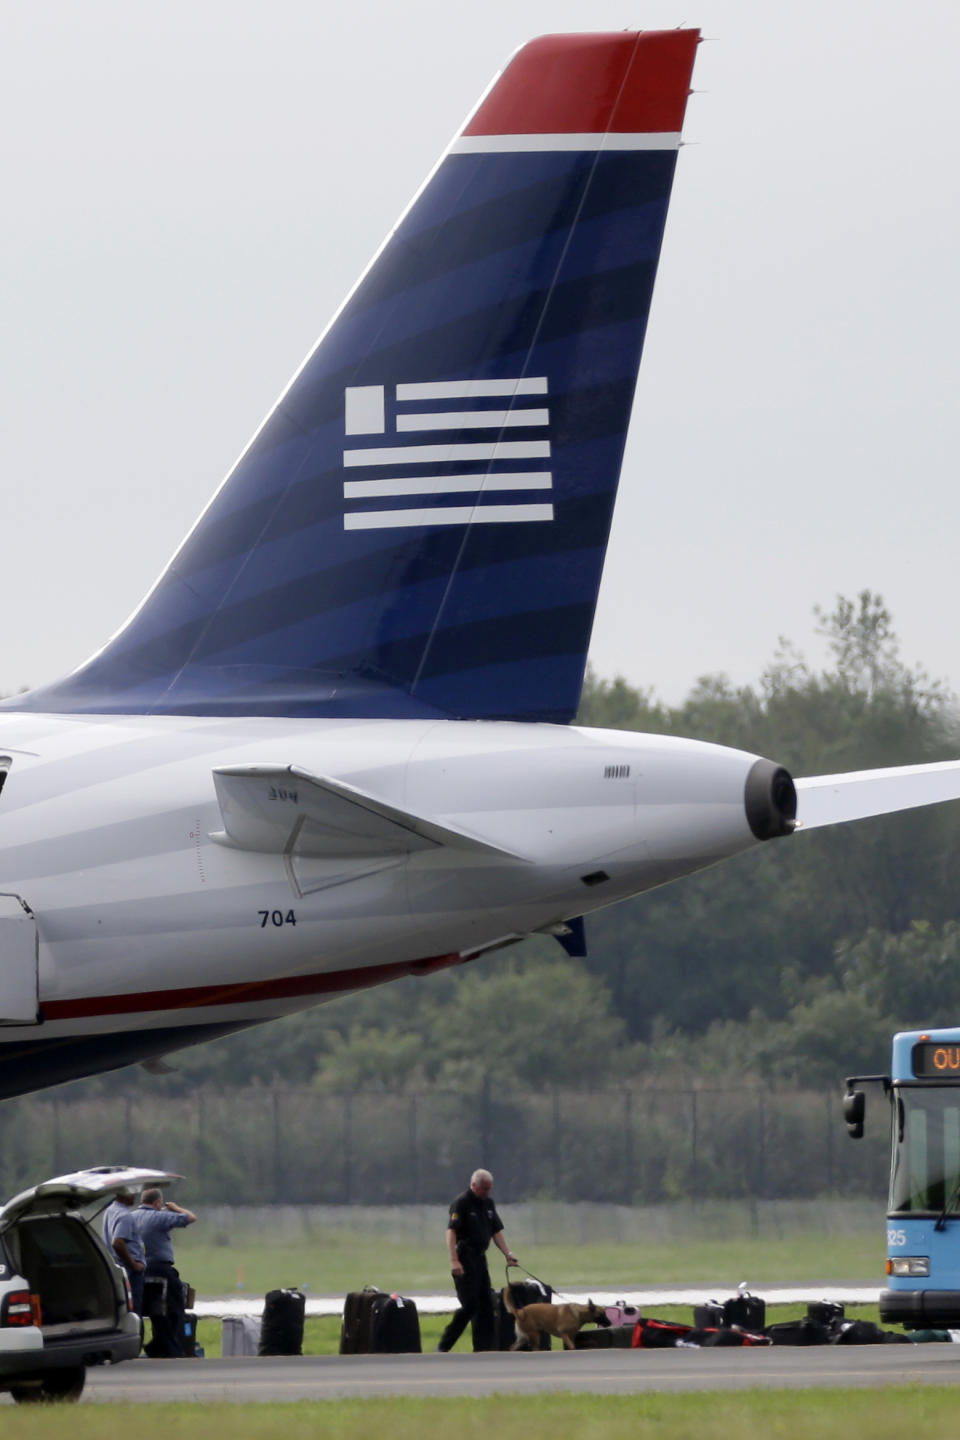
(419, 526)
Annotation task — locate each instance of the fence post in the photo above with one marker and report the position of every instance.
(694, 1162)
(761, 1183)
(557, 1143)
(277, 1153)
(200, 1150)
(414, 1156)
(347, 1149)
(486, 1138)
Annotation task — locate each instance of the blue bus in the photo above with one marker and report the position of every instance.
(923, 1209)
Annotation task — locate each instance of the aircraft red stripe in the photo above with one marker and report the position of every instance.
(243, 992)
(630, 83)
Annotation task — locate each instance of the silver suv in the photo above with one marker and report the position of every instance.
(64, 1301)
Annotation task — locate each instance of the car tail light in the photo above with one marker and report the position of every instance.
(20, 1307)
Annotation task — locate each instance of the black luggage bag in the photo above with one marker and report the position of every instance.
(394, 1326)
(154, 1297)
(281, 1332)
(615, 1337)
(523, 1292)
(355, 1328)
(189, 1347)
(709, 1316)
(798, 1332)
(825, 1312)
(747, 1312)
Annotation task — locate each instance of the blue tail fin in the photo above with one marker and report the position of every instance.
(419, 526)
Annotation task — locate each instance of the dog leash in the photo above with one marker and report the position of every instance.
(535, 1277)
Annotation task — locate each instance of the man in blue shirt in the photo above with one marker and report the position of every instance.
(156, 1219)
(122, 1236)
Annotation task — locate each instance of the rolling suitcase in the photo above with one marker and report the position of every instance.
(798, 1332)
(154, 1297)
(825, 1312)
(357, 1319)
(748, 1312)
(395, 1326)
(281, 1330)
(189, 1347)
(239, 1335)
(617, 1337)
(523, 1292)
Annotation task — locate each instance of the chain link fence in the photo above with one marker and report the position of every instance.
(302, 1146)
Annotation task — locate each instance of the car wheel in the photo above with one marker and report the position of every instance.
(62, 1386)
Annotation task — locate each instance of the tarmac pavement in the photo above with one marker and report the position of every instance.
(605, 1372)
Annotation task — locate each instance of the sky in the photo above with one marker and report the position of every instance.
(190, 189)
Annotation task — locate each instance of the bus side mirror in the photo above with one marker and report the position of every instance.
(854, 1109)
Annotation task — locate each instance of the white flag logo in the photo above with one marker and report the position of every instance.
(368, 413)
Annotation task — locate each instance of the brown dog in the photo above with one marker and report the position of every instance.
(561, 1320)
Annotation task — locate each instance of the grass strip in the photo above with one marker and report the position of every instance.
(923, 1412)
(335, 1262)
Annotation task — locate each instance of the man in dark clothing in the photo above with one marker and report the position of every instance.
(473, 1223)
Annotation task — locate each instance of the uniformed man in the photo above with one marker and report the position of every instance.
(156, 1218)
(122, 1235)
(473, 1223)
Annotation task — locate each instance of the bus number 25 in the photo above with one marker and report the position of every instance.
(276, 917)
(896, 1237)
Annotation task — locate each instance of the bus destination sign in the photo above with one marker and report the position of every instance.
(936, 1062)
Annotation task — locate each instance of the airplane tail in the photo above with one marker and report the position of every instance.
(419, 526)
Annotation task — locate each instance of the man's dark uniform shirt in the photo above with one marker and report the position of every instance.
(474, 1221)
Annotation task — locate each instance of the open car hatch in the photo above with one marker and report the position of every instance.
(87, 1190)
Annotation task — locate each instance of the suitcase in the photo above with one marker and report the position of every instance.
(523, 1292)
(357, 1318)
(748, 1312)
(505, 1325)
(239, 1335)
(825, 1312)
(281, 1330)
(154, 1297)
(727, 1336)
(188, 1336)
(617, 1337)
(857, 1332)
(709, 1316)
(659, 1334)
(798, 1332)
(395, 1326)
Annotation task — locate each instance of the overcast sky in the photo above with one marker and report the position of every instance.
(190, 188)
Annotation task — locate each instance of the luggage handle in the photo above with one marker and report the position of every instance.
(530, 1273)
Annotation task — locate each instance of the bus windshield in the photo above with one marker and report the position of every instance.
(925, 1174)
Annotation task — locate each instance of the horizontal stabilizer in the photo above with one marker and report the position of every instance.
(276, 809)
(833, 799)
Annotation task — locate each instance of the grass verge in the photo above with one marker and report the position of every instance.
(922, 1412)
(336, 1262)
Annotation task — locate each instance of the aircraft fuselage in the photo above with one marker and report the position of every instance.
(153, 929)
